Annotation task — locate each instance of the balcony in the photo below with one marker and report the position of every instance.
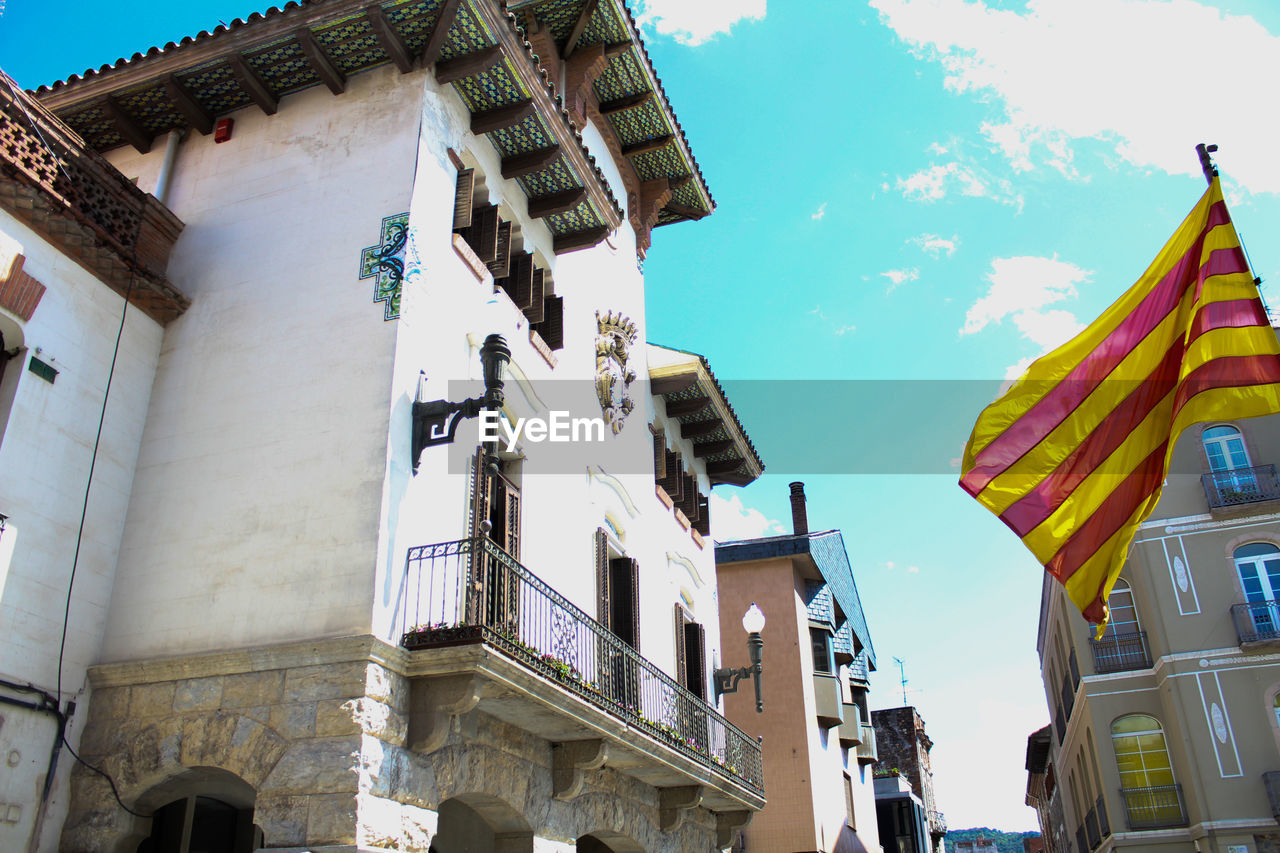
(937, 822)
(1091, 829)
(1241, 486)
(1104, 824)
(826, 694)
(851, 730)
(490, 635)
(867, 749)
(1121, 653)
(1257, 621)
(1158, 807)
(1271, 782)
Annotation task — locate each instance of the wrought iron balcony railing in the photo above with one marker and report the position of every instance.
(1241, 486)
(1091, 829)
(1257, 620)
(1104, 823)
(1121, 652)
(472, 591)
(1157, 807)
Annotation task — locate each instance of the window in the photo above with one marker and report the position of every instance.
(691, 654)
(1275, 708)
(495, 513)
(1146, 774)
(822, 659)
(1124, 614)
(1224, 446)
(618, 603)
(1258, 565)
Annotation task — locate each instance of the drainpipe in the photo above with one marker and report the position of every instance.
(46, 704)
(166, 166)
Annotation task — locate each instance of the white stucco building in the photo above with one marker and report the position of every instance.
(286, 631)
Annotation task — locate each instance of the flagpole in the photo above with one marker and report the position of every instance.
(1211, 172)
(1206, 163)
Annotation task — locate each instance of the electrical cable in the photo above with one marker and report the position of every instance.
(97, 441)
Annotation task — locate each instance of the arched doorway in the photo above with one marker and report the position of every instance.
(203, 810)
(607, 842)
(481, 823)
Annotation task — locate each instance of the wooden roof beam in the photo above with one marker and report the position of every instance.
(579, 240)
(187, 105)
(672, 384)
(712, 448)
(252, 85)
(698, 429)
(468, 65)
(727, 466)
(501, 117)
(519, 165)
(579, 26)
(646, 146)
(444, 21)
(685, 210)
(125, 125)
(690, 406)
(549, 205)
(320, 63)
(389, 40)
(627, 103)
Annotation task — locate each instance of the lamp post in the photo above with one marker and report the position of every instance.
(437, 422)
(726, 680)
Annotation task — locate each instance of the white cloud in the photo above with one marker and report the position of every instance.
(1020, 288)
(933, 184)
(821, 211)
(695, 23)
(915, 570)
(845, 330)
(1150, 78)
(735, 521)
(935, 246)
(898, 278)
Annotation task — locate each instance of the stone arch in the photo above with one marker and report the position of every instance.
(606, 841)
(481, 823)
(226, 753)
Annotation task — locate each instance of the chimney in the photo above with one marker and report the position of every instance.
(799, 516)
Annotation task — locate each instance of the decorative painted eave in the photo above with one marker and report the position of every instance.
(476, 45)
(629, 96)
(82, 205)
(695, 400)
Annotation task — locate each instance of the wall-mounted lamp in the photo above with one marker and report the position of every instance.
(726, 680)
(437, 422)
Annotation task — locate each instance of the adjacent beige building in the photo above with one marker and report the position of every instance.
(1164, 732)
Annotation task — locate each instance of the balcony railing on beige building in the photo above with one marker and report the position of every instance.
(1156, 807)
(471, 592)
(1257, 621)
(1241, 486)
(1121, 652)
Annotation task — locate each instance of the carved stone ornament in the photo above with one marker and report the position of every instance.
(615, 336)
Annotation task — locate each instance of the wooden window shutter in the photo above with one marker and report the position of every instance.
(500, 266)
(519, 284)
(659, 456)
(481, 493)
(482, 234)
(703, 524)
(682, 663)
(551, 329)
(689, 501)
(625, 603)
(695, 642)
(537, 304)
(462, 199)
(512, 528)
(604, 599)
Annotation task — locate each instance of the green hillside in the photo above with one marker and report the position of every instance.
(1006, 842)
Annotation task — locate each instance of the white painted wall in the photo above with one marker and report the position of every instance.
(256, 508)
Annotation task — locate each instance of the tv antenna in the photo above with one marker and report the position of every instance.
(902, 674)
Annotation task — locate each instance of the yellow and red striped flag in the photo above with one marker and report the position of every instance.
(1073, 457)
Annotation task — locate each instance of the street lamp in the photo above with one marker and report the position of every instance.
(726, 680)
(437, 422)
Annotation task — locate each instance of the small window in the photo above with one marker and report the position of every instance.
(822, 662)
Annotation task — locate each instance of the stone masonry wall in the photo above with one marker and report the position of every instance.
(321, 740)
(902, 743)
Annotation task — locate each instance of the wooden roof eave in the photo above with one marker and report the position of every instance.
(702, 380)
(159, 65)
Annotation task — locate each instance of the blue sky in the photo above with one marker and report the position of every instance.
(923, 193)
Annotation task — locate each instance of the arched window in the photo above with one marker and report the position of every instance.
(1275, 708)
(1224, 445)
(1258, 565)
(1151, 795)
(1123, 645)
